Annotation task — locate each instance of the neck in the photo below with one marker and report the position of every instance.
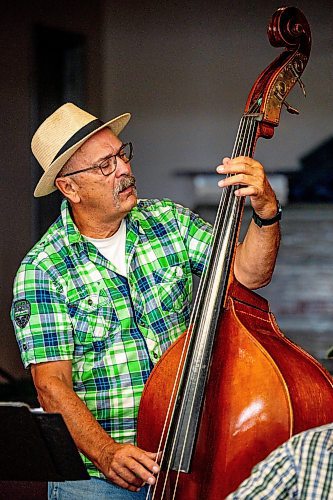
(94, 227)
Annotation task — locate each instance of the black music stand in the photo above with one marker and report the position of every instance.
(36, 446)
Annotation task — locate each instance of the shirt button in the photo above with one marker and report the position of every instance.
(155, 355)
(25, 347)
(179, 272)
(90, 302)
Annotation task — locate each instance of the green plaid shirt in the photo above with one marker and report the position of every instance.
(69, 303)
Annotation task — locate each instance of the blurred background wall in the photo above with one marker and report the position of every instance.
(184, 70)
(50, 52)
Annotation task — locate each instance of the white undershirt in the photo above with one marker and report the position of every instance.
(113, 248)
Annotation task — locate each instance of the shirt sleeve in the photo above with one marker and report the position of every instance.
(40, 317)
(275, 477)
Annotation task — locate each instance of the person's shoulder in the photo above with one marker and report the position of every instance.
(155, 207)
(46, 247)
(153, 204)
(169, 211)
(326, 429)
(317, 437)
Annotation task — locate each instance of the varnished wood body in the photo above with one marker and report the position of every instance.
(261, 389)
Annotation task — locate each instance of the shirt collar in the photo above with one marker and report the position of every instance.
(73, 234)
(133, 219)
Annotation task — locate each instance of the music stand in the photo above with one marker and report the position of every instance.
(36, 446)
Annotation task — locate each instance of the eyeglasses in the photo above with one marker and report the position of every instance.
(109, 164)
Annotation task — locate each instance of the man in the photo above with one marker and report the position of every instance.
(108, 288)
(300, 468)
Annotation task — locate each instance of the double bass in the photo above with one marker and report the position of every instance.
(233, 387)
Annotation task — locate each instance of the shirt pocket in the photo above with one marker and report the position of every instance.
(171, 288)
(94, 319)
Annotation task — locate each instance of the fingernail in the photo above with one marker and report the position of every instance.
(220, 169)
(151, 480)
(138, 489)
(156, 468)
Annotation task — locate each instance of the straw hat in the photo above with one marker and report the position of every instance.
(60, 135)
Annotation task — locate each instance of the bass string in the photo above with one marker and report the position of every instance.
(227, 194)
(244, 149)
(246, 129)
(250, 128)
(193, 320)
(166, 430)
(224, 201)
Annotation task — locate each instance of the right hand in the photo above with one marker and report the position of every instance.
(128, 466)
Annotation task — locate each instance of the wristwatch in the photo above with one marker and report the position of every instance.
(268, 222)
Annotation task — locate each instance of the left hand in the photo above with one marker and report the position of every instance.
(250, 173)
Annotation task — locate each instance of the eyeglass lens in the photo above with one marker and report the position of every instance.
(110, 164)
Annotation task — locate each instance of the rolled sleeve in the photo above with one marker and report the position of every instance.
(40, 317)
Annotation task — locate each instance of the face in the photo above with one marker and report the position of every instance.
(112, 196)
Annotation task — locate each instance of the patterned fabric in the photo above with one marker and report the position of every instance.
(301, 468)
(70, 304)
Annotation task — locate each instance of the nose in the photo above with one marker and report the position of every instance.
(123, 168)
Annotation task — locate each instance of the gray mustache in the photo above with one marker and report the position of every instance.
(124, 183)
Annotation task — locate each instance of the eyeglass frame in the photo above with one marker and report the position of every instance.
(107, 158)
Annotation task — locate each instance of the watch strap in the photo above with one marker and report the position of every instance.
(268, 222)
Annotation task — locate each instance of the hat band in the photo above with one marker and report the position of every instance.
(79, 135)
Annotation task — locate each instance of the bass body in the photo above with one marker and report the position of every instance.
(261, 390)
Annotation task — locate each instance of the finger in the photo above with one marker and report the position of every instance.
(135, 464)
(242, 179)
(129, 473)
(154, 456)
(147, 459)
(232, 169)
(120, 481)
(247, 191)
(240, 162)
(246, 160)
(135, 473)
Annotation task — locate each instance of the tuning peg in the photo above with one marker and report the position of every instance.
(290, 109)
(295, 69)
(301, 84)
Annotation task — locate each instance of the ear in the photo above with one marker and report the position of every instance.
(68, 188)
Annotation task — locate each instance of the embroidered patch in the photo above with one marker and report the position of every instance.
(22, 312)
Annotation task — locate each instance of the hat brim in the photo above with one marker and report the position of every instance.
(46, 185)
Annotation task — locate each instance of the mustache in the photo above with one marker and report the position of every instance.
(124, 183)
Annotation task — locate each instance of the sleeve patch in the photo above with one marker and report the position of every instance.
(22, 312)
